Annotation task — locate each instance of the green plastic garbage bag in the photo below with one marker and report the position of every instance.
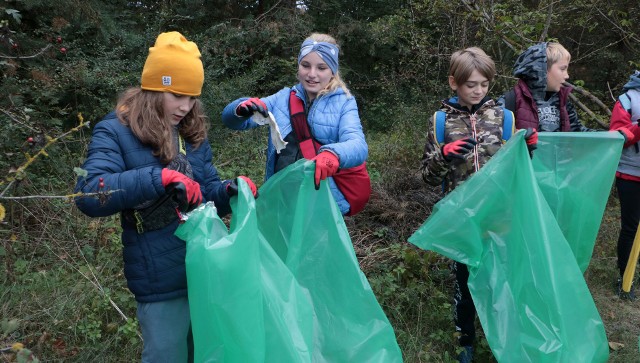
(575, 172)
(531, 297)
(284, 284)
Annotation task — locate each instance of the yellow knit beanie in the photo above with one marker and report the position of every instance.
(173, 65)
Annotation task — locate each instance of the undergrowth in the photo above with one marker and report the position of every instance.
(64, 295)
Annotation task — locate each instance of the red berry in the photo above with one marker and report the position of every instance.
(63, 50)
(30, 140)
(101, 179)
(14, 45)
(101, 185)
(59, 40)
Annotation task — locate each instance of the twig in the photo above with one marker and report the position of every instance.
(259, 17)
(41, 152)
(68, 196)
(27, 56)
(591, 97)
(484, 19)
(598, 50)
(613, 98)
(92, 280)
(584, 108)
(14, 119)
(627, 34)
(547, 23)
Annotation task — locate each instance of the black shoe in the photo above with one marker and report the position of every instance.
(631, 295)
(466, 356)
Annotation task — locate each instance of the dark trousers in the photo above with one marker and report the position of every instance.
(464, 313)
(629, 195)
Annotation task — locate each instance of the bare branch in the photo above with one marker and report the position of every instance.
(591, 97)
(584, 108)
(485, 19)
(613, 98)
(616, 25)
(41, 152)
(14, 119)
(598, 50)
(27, 56)
(547, 24)
(261, 16)
(68, 196)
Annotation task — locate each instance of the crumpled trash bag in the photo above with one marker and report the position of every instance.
(283, 285)
(532, 300)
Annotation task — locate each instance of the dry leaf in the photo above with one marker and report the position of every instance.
(615, 346)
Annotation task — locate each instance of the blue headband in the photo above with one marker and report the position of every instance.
(327, 51)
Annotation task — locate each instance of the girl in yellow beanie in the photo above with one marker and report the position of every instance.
(152, 153)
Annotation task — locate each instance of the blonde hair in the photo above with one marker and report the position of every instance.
(336, 82)
(143, 112)
(465, 61)
(555, 53)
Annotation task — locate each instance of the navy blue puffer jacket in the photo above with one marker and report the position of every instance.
(153, 261)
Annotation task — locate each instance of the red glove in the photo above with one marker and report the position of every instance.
(232, 188)
(458, 148)
(531, 138)
(248, 107)
(194, 195)
(327, 164)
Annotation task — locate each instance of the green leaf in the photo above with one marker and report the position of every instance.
(80, 172)
(16, 15)
(9, 326)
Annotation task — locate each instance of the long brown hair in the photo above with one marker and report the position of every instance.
(143, 112)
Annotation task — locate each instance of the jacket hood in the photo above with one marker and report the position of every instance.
(453, 102)
(531, 66)
(634, 82)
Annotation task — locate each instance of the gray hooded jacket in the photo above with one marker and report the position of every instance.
(531, 67)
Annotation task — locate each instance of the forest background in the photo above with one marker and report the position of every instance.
(63, 63)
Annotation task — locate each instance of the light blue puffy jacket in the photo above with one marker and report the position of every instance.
(333, 121)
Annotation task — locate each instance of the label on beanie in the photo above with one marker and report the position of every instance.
(166, 80)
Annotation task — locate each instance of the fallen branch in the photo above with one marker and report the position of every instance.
(584, 108)
(591, 97)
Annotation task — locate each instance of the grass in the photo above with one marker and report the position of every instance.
(620, 317)
(56, 262)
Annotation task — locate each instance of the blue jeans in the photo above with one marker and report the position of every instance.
(166, 330)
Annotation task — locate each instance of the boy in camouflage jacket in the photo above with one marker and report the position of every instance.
(473, 134)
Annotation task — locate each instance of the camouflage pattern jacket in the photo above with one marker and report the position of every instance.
(484, 123)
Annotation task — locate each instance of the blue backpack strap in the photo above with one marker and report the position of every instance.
(439, 118)
(508, 124)
(625, 102)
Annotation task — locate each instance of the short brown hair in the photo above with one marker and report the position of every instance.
(465, 61)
